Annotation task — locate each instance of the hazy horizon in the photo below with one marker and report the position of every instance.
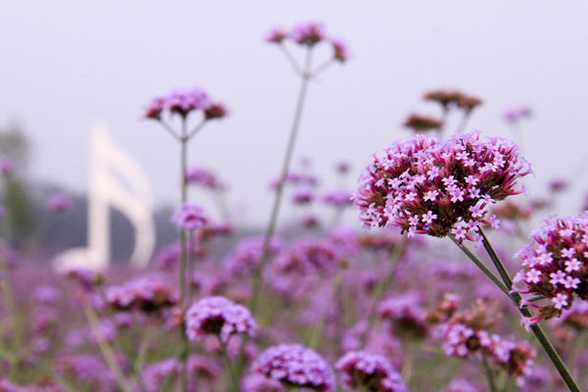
(70, 65)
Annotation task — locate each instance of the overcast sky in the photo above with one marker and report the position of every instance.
(67, 65)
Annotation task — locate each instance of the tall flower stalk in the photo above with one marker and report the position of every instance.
(424, 186)
(164, 109)
(308, 36)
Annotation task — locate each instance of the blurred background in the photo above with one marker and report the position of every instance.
(68, 65)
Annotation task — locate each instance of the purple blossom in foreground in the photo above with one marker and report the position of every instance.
(189, 217)
(427, 187)
(555, 266)
(364, 371)
(218, 316)
(294, 365)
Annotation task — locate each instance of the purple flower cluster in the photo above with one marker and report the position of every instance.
(189, 217)
(555, 265)
(515, 115)
(59, 202)
(310, 34)
(338, 199)
(183, 103)
(147, 294)
(406, 314)
(203, 178)
(364, 371)
(294, 365)
(218, 316)
(427, 187)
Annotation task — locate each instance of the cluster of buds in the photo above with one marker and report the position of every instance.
(424, 186)
(515, 115)
(310, 34)
(453, 98)
(184, 103)
(147, 294)
(219, 317)
(555, 266)
(308, 257)
(364, 371)
(406, 314)
(59, 202)
(189, 217)
(421, 123)
(295, 366)
(466, 333)
(203, 178)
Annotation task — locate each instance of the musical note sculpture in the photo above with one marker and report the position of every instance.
(115, 181)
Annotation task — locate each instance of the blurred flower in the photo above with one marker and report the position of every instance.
(406, 313)
(159, 374)
(558, 185)
(338, 199)
(364, 371)
(218, 316)
(420, 123)
(426, 187)
(303, 197)
(276, 35)
(203, 177)
(445, 98)
(148, 294)
(340, 50)
(189, 217)
(308, 33)
(515, 115)
(215, 111)
(59, 202)
(294, 365)
(461, 385)
(6, 168)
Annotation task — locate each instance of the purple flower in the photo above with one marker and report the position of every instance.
(427, 187)
(308, 33)
(189, 217)
(202, 177)
(276, 36)
(156, 375)
(406, 314)
(148, 294)
(461, 385)
(338, 199)
(59, 202)
(554, 265)
(294, 365)
(184, 103)
(218, 316)
(515, 115)
(361, 370)
(6, 168)
(340, 50)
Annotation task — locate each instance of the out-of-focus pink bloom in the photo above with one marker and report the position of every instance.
(343, 167)
(203, 177)
(516, 115)
(461, 385)
(303, 197)
(158, 374)
(338, 199)
(6, 168)
(276, 36)
(183, 103)
(558, 185)
(362, 370)
(427, 187)
(59, 202)
(148, 294)
(215, 111)
(406, 314)
(46, 295)
(87, 279)
(247, 254)
(297, 366)
(220, 317)
(308, 33)
(340, 50)
(189, 217)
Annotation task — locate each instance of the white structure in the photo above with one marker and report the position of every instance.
(115, 181)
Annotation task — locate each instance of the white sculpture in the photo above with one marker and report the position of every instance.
(115, 181)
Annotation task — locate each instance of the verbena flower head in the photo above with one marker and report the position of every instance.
(202, 177)
(364, 371)
(406, 314)
(6, 168)
(555, 265)
(59, 202)
(308, 33)
(515, 115)
(420, 123)
(338, 199)
(157, 375)
(218, 316)
(148, 294)
(276, 36)
(294, 365)
(340, 50)
(423, 186)
(189, 217)
(184, 103)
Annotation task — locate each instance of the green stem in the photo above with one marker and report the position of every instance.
(105, 348)
(381, 289)
(489, 374)
(535, 328)
(271, 227)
